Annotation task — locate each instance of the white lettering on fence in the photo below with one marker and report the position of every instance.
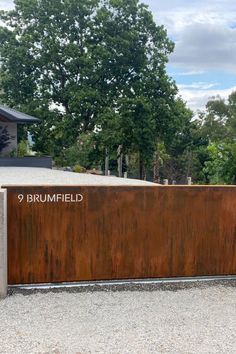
(51, 198)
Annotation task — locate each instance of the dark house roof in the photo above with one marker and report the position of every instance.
(12, 116)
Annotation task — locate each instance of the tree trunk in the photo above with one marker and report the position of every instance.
(119, 160)
(106, 162)
(156, 168)
(142, 171)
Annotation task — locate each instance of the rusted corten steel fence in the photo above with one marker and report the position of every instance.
(71, 233)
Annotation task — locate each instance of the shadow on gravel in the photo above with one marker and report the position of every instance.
(174, 286)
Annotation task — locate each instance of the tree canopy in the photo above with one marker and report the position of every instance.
(218, 127)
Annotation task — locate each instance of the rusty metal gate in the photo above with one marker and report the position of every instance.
(73, 233)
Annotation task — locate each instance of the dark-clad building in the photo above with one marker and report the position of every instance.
(9, 118)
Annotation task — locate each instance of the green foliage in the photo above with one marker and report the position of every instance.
(22, 148)
(79, 169)
(180, 144)
(204, 148)
(215, 156)
(219, 121)
(221, 167)
(83, 153)
(136, 129)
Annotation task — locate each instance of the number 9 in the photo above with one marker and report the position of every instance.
(20, 197)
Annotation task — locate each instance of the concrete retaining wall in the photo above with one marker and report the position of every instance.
(27, 161)
(3, 243)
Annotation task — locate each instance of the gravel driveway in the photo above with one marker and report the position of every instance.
(44, 176)
(200, 319)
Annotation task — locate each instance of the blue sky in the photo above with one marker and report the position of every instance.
(204, 31)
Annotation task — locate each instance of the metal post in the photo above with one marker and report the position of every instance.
(119, 160)
(107, 163)
(189, 180)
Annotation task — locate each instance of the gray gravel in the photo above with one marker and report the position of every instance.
(200, 319)
(44, 176)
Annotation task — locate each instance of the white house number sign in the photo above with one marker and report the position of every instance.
(50, 198)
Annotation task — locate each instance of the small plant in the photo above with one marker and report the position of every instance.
(79, 169)
(22, 149)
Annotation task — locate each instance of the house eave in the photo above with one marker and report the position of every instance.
(9, 115)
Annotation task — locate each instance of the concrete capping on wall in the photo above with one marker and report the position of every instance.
(27, 161)
(3, 243)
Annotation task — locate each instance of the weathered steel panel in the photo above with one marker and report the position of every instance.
(120, 232)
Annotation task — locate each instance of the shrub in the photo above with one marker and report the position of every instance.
(79, 169)
(22, 149)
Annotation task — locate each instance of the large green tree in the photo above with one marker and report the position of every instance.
(89, 65)
(217, 126)
(218, 121)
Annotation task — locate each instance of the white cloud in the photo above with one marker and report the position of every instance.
(197, 99)
(177, 14)
(6, 4)
(198, 85)
(204, 47)
(203, 31)
(189, 73)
